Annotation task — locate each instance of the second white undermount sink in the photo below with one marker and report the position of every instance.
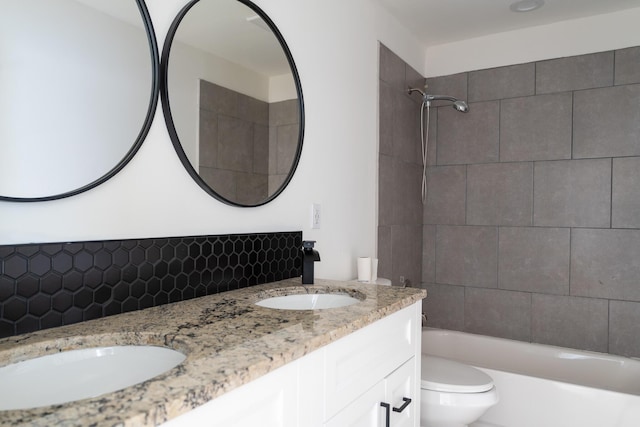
(80, 374)
(308, 301)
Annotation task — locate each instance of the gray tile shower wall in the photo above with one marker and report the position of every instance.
(247, 146)
(400, 206)
(54, 284)
(532, 225)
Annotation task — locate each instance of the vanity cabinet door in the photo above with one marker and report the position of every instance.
(368, 410)
(365, 411)
(357, 362)
(401, 385)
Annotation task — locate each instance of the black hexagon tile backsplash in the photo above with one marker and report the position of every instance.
(54, 284)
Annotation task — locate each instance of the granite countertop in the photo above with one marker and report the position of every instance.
(228, 340)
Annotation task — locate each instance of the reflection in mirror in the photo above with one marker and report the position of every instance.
(77, 90)
(232, 101)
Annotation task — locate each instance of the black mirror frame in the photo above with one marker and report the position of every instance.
(168, 118)
(146, 125)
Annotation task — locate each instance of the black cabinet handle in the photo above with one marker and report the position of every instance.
(404, 405)
(386, 406)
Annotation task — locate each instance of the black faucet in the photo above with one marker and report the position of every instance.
(309, 256)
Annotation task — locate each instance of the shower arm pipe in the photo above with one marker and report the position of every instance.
(410, 90)
(429, 98)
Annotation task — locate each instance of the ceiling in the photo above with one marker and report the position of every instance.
(231, 30)
(442, 21)
(227, 29)
(432, 22)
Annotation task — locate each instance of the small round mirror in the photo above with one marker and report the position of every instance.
(232, 100)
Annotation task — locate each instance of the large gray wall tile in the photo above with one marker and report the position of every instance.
(385, 252)
(224, 181)
(536, 128)
(275, 182)
(471, 137)
(625, 211)
(429, 254)
(444, 306)
(273, 154)
(407, 199)
(467, 255)
(289, 139)
(406, 249)
(252, 188)
(446, 189)
(256, 111)
(431, 118)
(386, 122)
(218, 99)
(572, 193)
(502, 82)
(386, 189)
(574, 73)
(406, 129)
(392, 68)
(499, 313)
(413, 79)
(500, 194)
(534, 259)
(453, 85)
(208, 138)
(235, 144)
(607, 122)
(627, 66)
(282, 112)
(604, 264)
(286, 144)
(624, 318)
(560, 320)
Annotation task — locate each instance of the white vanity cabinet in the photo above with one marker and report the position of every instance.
(376, 364)
(372, 408)
(341, 384)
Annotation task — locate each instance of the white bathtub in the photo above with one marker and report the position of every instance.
(546, 386)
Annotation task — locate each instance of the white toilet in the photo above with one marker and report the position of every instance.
(453, 394)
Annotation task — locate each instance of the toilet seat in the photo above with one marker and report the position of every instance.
(439, 374)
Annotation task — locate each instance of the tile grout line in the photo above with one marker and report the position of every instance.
(611, 195)
(570, 257)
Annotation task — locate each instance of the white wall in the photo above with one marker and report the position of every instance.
(567, 38)
(335, 46)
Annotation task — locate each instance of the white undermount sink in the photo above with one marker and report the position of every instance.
(79, 374)
(308, 301)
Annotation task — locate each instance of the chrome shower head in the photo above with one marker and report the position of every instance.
(457, 104)
(461, 106)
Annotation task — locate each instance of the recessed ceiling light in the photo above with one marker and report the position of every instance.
(526, 5)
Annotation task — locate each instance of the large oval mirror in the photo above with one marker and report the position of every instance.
(232, 100)
(78, 89)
